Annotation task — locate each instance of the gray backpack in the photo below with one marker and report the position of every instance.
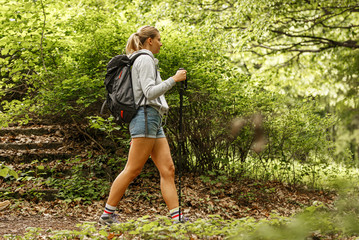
(118, 82)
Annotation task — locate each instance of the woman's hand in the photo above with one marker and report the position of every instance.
(180, 76)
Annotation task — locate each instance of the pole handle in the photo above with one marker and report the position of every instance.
(184, 83)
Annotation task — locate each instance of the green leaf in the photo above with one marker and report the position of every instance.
(4, 51)
(4, 172)
(40, 167)
(14, 174)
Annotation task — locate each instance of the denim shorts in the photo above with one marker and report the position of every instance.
(154, 124)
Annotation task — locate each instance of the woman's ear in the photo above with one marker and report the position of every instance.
(149, 41)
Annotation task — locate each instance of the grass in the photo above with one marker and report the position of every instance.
(316, 175)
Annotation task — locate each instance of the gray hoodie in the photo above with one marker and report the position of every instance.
(144, 81)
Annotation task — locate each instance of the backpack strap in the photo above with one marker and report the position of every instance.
(143, 97)
(146, 122)
(133, 59)
(103, 106)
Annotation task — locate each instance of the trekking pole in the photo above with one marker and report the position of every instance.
(181, 144)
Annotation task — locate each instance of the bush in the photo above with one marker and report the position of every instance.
(58, 68)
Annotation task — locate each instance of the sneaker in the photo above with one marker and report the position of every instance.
(4, 204)
(183, 220)
(108, 220)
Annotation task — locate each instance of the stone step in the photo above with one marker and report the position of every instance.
(37, 153)
(26, 146)
(41, 130)
(22, 156)
(46, 194)
(21, 138)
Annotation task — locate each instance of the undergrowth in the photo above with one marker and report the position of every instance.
(319, 175)
(314, 222)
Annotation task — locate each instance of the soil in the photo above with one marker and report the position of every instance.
(199, 199)
(231, 199)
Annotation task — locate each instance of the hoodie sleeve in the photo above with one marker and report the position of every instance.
(147, 74)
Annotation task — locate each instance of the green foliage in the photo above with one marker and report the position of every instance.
(82, 179)
(117, 134)
(90, 178)
(59, 60)
(303, 49)
(216, 180)
(298, 135)
(6, 172)
(243, 58)
(54, 55)
(80, 188)
(315, 221)
(15, 111)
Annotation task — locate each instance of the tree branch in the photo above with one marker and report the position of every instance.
(343, 27)
(320, 19)
(354, 8)
(286, 63)
(327, 41)
(86, 134)
(289, 49)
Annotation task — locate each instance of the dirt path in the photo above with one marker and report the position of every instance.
(46, 215)
(247, 199)
(17, 225)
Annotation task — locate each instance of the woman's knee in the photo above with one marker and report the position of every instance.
(132, 173)
(168, 172)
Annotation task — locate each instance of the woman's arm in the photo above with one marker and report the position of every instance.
(147, 74)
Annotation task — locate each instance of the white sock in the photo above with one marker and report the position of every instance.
(175, 214)
(109, 210)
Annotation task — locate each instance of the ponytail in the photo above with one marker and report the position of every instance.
(133, 44)
(136, 40)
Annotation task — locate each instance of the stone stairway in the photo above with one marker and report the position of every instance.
(35, 152)
(25, 144)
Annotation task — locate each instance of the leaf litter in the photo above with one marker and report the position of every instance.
(231, 199)
(143, 198)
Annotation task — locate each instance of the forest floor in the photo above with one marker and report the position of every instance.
(201, 196)
(237, 200)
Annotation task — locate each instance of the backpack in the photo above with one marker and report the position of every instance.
(118, 82)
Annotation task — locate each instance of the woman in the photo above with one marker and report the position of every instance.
(146, 80)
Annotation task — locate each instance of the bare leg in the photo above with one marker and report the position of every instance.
(161, 156)
(139, 152)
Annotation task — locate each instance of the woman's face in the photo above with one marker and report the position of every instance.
(155, 44)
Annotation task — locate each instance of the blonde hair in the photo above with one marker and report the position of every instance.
(136, 40)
